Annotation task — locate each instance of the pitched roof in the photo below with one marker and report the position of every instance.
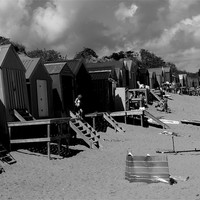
(74, 65)
(3, 51)
(58, 67)
(104, 75)
(109, 65)
(158, 71)
(29, 64)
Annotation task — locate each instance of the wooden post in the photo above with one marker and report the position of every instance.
(59, 140)
(125, 118)
(142, 120)
(173, 143)
(93, 122)
(9, 132)
(48, 143)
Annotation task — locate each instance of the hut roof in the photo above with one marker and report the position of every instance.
(74, 65)
(100, 75)
(3, 51)
(158, 71)
(29, 64)
(104, 65)
(58, 67)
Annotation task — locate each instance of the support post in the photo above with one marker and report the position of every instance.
(93, 122)
(48, 143)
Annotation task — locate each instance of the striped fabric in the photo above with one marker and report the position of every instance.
(147, 169)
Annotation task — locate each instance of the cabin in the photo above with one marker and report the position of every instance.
(133, 72)
(183, 80)
(39, 87)
(159, 75)
(193, 80)
(13, 91)
(152, 80)
(104, 82)
(167, 74)
(119, 71)
(63, 87)
(82, 83)
(143, 76)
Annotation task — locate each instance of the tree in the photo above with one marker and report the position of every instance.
(45, 55)
(19, 48)
(150, 60)
(87, 54)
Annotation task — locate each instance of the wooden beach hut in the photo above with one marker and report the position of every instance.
(13, 91)
(119, 71)
(159, 75)
(63, 87)
(133, 72)
(104, 82)
(82, 83)
(39, 87)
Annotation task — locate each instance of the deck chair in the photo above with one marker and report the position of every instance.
(148, 169)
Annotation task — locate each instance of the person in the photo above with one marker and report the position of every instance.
(78, 106)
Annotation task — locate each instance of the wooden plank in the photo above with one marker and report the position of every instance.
(39, 122)
(17, 141)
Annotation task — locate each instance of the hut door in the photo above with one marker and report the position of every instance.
(42, 98)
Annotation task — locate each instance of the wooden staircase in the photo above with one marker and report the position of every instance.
(5, 156)
(85, 131)
(23, 115)
(149, 115)
(112, 122)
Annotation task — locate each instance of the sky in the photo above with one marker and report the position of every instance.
(168, 28)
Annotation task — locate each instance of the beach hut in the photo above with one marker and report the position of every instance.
(63, 87)
(133, 72)
(103, 89)
(143, 76)
(167, 74)
(39, 87)
(13, 91)
(82, 83)
(159, 75)
(119, 71)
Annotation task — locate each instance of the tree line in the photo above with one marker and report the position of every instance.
(143, 58)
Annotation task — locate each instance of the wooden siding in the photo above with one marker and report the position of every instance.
(14, 83)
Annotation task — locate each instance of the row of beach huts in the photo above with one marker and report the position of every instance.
(48, 90)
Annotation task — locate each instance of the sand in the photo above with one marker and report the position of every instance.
(99, 174)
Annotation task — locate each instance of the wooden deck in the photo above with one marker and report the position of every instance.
(57, 121)
(125, 114)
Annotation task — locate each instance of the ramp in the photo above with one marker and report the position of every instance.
(112, 122)
(155, 95)
(23, 115)
(85, 131)
(149, 115)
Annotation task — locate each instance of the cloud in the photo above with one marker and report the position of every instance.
(14, 15)
(123, 12)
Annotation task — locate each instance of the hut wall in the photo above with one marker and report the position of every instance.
(4, 134)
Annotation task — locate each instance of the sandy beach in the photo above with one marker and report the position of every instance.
(88, 174)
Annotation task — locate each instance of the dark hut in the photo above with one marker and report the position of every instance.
(63, 87)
